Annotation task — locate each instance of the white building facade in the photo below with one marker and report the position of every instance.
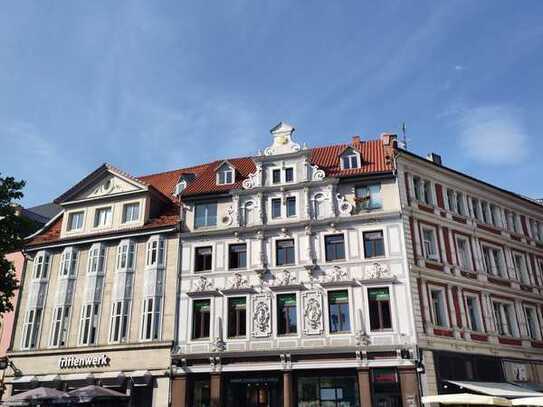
(294, 282)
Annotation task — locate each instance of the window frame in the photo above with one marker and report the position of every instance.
(478, 312)
(44, 266)
(513, 331)
(444, 311)
(276, 252)
(469, 255)
(428, 256)
(196, 249)
(124, 318)
(380, 311)
(238, 319)
(230, 252)
(278, 318)
(158, 252)
(59, 338)
(329, 312)
(227, 173)
(364, 233)
(85, 333)
(151, 319)
(126, 205)
(343, 242)
(289, 200)
(97, 211)
(207, 217)
(501, 266)
(71, 214)
(521, 271)
(535, 336)
(272, 201)
(32, 330)
(193, 320)
(352, 157)
(374, 199)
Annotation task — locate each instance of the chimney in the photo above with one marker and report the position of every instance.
(389, 138)
(435, 158)
(356, 139)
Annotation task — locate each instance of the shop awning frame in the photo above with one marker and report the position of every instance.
(506, 390)
(528, 401)
(466, 398)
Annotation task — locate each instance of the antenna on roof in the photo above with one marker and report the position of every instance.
(403, 142)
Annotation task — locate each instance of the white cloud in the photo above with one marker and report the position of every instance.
(493, 135)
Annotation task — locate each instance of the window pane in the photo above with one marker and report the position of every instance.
(200, 319)
(335, 247)
(203, 258)
(374, 244)
(276, 208)
(289, 174)
(276, 176)
(285, 252)
(291, 206)
(237, 256)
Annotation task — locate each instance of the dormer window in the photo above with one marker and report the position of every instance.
(350, 159)
(225, 175)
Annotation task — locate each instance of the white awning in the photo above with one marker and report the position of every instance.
(466, 398)
(49, 378)
(506, 390)
(22, 379)
(528, 401)
(77, 376)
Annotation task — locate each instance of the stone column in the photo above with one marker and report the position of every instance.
(288, 389)
(409, 386)
(179, 391)
(364, 387)
(215, 390)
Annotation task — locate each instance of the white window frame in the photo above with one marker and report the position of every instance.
(61, 319)
(42, 266)
(494, 266)
(108, 218)
(326, 305)
(478, 312)
(127, 205)
(444, 306)
(536, 336)
(270, 208)
(226, 321)
(126, 305)
(512, 331)
(32, 329)
(299, 327)
(521, 270)
(207, 217)
(93, 320)
(295, 206)
(427, 255)
(274, 251)
(130, 254)
(71, 215)
(96, 261)
(155, 244)
(353, 157)
(392, 303)
(153, 317)
(316, 201)
(249, 207)
(468, 258)
(69, 263)
(227, 173)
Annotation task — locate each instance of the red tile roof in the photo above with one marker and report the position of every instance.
(376, 158)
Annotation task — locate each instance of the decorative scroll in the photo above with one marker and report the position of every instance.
(261, 316)
(344, 207)
(316, 173)
(312, 307)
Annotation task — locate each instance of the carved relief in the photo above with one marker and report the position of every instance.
(238, 282)
(202, 284)
(106, 187)
(285, 278)
(377, 271)
(253, 180)
(312, 306)
(316, 173)
(337, 274)
(344, 207)
(228, 218)
(261, 316)
(283, 142)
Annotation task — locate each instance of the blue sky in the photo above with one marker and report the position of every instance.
(156, 85)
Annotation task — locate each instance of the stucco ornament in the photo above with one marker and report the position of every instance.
(344, 207)
(218, 345)
(202, 284)
(253, 179)
(228, 218)
(284, 278)
(337, 274)
(313, 324)
(283, 142)
(261, 316)
(377, 271)
(316, 173)
(106, 187)
(238, 281)
(362, 338)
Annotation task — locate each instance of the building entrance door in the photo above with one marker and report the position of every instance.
(253, 391)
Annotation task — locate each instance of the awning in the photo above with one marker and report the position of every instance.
(49, 378)
(466, 398)
(506, 390)
(140, 377)
(528, 401)
(22, 379)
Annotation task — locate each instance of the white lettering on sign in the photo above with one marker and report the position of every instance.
(70, 362)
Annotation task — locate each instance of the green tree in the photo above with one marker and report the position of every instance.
(13, 229)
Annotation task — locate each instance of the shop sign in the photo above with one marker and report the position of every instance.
(72, 362)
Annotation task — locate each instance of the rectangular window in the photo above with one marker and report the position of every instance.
(119, 321)
(150, 326)
(226, 176)
(428, 196)
(531, 323)
(504, 318)
(350, 160)
(476, 209)
(334, 247)
(493, 260)
(131, 212)
(276, 208)
(429, 244)
(75, 221)
(374, 244)
(484, 212)
(41, 266)
(324, 390)
(291, 206)
(521, 269)
(88, 326)
(289, 174)
(237, 256)
(102, 217)
(379, 308)
(286, 314)
(32, 328)
(463, 251)
(417, 187)
(474, 319)
(276, 176)
(203, 258)
(460, 206)
(200, 319)
(155, 252)
(237, 317)
(125, 255)
(284, 252)
(439, 308)
(368, 197)
(59, 332)
(68, 263)
(451, 200)
(206, 215)
(338, 310)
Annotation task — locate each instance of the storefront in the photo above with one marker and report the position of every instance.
(141, 372)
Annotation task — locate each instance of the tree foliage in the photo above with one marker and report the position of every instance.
(13, 229)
